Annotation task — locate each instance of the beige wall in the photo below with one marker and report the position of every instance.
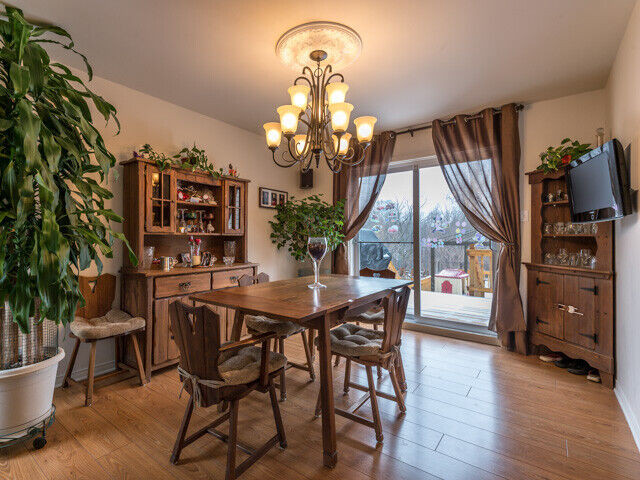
(623, 90)
(167, 127)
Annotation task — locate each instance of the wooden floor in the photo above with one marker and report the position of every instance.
(474, 412)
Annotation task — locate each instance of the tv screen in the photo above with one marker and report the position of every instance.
(598, 185)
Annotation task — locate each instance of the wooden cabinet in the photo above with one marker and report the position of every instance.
(151, 210)
(570, 308)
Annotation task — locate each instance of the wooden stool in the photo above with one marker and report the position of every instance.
(98, 321)
(257, 325)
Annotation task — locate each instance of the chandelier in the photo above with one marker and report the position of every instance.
(318, 103)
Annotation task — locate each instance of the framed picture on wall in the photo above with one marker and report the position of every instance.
(270, 198)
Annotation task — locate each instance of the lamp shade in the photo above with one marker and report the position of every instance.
(364, 128)
(299, 95)
(340, 113)
(344, 143)
(300, 142)
(289, 115)
(337, 92)
(273, 133)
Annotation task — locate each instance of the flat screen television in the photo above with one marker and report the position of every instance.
(598, 185)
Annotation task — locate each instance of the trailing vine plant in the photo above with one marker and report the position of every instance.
(297, 220)
(193, 158)
(555, 157)
(53, 161)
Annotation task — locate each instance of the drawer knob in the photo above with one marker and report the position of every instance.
(184, 285)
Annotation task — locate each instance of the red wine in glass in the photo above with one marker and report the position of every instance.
(317, 248)
(317, 251)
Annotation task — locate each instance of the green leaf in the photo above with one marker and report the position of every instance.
(19, 78)
(29, 128)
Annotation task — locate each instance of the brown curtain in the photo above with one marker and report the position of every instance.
(359, 187)
(480, 159)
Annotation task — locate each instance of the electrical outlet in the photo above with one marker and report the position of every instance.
(524, 215)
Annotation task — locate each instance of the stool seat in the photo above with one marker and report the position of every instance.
(281, 328)
(113, 323)
(374, 316)
(354, 341)
(243, 366)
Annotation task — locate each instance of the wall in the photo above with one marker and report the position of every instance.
(624, 124)
(167, 127)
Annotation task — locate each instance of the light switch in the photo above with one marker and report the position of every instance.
(524, 215)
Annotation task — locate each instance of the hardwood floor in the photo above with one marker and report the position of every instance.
(473, 412)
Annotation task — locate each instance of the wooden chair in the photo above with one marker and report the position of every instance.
(98, 321)
(213, 373)
(373, 348)
(257, 325)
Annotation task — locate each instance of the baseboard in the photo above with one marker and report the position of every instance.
(81, 373)
(451, 333)
(634, 425)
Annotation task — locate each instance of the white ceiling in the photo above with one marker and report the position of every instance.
(421, 59)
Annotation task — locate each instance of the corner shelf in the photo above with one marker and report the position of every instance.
(556, 203)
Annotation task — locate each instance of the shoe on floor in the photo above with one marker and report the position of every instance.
(579, 367)
(594, 376)
(550, 357)
(563, 363)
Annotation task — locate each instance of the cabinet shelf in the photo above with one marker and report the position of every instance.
(196, 204)
(556, 203)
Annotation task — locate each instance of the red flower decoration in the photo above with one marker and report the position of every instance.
(198, 240)
(566, 159)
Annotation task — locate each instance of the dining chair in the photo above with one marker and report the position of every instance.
(97, 320)
(213, 373)
(375, 315)
(373, 348)
(259, 324)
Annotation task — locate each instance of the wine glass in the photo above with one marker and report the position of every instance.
(317, 248)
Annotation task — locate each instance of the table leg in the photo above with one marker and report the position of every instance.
(236, 331)
(329, 453)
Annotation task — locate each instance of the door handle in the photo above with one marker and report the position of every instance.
(541, 282)
(592, 336)
(184, 285)
(538, 321)
(562, 306)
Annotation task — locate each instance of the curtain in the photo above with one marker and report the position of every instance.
(359, 187)
(480, 160)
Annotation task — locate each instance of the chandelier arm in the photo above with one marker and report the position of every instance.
(347, 160)
(326, 139)
(336, 75)
(287, 164)
(335, 167)
(295, 156)
(303, 78)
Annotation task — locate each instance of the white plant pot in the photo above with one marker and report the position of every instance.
(26, 394)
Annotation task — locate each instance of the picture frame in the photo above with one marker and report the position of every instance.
(271, 198)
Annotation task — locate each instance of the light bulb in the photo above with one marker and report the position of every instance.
(289, 115)
(299, 94)
(340, 113)
(364, 128)
(273, 133)
(344, 143)
(337, 92)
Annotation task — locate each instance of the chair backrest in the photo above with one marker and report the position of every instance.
(367, 272)
(396, 309)
(196, 331)
(98, 293)
(246, 280)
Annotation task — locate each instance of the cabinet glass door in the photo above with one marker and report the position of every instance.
(233, 207)
(160, 216)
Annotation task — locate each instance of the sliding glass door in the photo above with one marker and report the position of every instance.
(418, 231)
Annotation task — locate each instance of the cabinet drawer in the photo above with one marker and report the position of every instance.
(182, 284)
(229, 278)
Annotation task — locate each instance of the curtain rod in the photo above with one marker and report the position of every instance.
(412, 130)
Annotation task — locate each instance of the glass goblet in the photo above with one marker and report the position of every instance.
(317, 249)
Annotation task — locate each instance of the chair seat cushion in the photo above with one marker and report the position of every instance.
(281, 328)
(243, 366)
(355, 341)
(374, 316)
(113, 323)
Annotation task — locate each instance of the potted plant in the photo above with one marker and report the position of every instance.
(53, 218)
(553, 158)
(297, 220)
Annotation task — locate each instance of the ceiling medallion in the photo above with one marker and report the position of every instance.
(318, 100)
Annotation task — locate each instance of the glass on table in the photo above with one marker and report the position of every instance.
(317, 249)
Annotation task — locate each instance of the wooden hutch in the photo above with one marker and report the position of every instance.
(570, 308)
(151, 218)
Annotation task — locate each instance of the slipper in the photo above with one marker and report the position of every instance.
(551, 357)
(563, 363)
(594, 376)
(579, 367)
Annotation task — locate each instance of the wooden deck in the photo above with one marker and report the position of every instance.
(454, 308)
(474, 412)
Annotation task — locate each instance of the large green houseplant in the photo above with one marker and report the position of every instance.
(297, 220)
(53, 162)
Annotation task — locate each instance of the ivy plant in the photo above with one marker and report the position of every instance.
(297, 220)
(555, 157)
(195, 158)
(161, 160)
(53, 162)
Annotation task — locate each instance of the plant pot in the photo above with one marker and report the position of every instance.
(26, 395)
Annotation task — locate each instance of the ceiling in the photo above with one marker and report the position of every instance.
(421, 59)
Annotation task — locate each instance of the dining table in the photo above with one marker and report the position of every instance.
(319, 309)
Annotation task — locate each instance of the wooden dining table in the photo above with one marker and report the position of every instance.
(318, 309)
